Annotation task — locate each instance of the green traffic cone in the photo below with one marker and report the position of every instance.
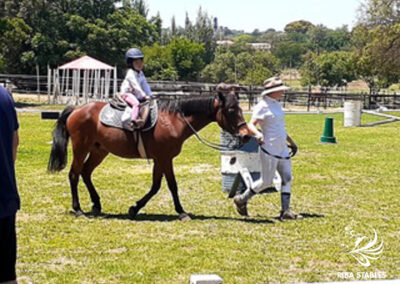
(328, 136)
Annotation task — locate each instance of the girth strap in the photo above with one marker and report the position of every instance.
(140, 145)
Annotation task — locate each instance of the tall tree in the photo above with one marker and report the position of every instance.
(157, 22)
(188, 27)
(173, 26)
(140, 6)
(204, 33)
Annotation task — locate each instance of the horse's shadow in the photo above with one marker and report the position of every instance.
(144, 217)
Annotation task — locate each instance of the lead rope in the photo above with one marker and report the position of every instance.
(278, 157)
(210, 144)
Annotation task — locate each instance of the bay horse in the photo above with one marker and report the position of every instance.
(178, 119)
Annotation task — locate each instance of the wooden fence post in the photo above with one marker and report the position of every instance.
(309, 98)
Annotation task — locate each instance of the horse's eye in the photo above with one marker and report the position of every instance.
(231, 110)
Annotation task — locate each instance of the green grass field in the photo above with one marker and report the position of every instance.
(355, 182)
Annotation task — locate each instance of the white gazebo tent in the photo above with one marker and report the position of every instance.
(85, 78)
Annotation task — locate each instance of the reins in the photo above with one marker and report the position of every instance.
(213, 145)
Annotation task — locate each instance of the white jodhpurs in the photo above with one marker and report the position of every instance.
(269, 165)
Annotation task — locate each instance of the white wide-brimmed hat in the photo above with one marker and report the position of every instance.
(272, 85)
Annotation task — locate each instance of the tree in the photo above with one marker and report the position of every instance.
(376, 40)
(245, 68)
(318, 36)
(14, 35)
(188, 27)
(253, 69)
(375, 13)
(187, 58)
(157, 22)
(298, 27)
(378, 52)
(203, 33)
(60, 30)
(158, 63)
(140, 6)
(328, 69)
(222, 69)
(290, 53)
(324, 39)
(173, 27)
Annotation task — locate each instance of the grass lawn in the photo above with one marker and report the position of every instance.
(354, 183)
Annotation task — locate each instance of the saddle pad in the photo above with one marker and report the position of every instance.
(110, 116)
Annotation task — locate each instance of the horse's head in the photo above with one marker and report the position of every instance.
(229, 114)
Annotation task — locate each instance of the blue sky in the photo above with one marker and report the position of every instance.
(262, 14)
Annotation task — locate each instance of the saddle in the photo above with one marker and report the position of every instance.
(112, 115)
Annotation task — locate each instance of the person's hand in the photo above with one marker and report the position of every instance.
(260, 138)
(146, 98)
(294, 148)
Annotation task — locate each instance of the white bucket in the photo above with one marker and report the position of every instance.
(352, 113)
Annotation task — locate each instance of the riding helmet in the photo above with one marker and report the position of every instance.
(132, 54)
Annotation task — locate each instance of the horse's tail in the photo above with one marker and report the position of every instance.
(59, 154)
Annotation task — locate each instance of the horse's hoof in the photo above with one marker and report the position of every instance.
(79, 213)
(96, 211)
(132, 212)
(184, 217)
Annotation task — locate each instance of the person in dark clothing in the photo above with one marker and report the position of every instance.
(9, 198)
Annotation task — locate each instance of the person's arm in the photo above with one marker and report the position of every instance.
(15, 145)
(253, 127)
(146, 87)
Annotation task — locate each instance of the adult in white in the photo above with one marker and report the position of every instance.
(274, 152)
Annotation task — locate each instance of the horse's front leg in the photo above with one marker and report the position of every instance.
(157, 177)
(173, 187)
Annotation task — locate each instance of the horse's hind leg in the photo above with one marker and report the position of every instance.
(95, 159)
(76, 169)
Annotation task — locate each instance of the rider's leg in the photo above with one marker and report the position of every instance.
(134, 103)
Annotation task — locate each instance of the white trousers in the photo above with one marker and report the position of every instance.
(269, 165)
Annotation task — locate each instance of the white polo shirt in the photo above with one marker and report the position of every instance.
(271, 118)
(136, 84)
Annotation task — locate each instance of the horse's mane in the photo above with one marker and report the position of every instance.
(187, 104)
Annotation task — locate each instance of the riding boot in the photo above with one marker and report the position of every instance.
(241, 200)
(286, 212)
(139, 123)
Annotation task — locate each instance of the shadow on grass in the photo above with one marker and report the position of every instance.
(311, 215)
(169, 218)
(306, 216)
